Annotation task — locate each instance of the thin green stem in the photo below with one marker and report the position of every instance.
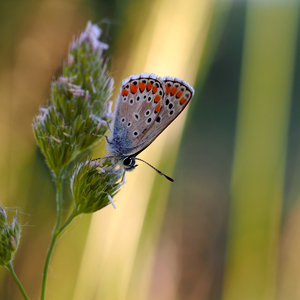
(70, 219)
(16, 279)
(55, 232)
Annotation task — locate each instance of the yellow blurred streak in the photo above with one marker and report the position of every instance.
(289, 269)
(257, 182)
(170, 42)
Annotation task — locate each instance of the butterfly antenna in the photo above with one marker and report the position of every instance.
(161, 173)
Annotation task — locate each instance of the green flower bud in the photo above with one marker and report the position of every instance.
(14, 235)
(78, 103)
(3, 218)
(5, 254)
(10, 235)
(93, 185)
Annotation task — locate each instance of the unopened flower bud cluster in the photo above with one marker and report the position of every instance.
(93, 185)
(9, 238)
(78, 102)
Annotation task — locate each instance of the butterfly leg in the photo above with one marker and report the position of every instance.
(106, 137)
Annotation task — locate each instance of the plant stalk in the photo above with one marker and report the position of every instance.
(16, 279)
(55, 232)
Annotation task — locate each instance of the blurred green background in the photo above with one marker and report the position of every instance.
(229, 226)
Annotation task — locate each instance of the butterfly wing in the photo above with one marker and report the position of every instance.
(138, 104)
(177, 95)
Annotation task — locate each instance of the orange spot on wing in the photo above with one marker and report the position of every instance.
(179, 94)
(183, 100)
(142, 86)
(149, 86)
(154, 90)
(124, 92)
(173, 91)
(167, 89)
(157, 107)
(157, 99)
(133, 88)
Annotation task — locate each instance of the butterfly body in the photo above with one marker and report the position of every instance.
(146, 105)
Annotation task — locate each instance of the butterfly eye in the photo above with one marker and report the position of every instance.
(128, 161)
(147, 112)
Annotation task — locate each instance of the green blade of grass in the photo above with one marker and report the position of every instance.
(261, 141)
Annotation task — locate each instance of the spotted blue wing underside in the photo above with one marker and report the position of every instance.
(138, 104)
(145, 106)
(177, 95)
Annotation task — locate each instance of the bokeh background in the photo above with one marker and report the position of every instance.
(229, 226)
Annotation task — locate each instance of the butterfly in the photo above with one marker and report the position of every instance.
(145, 107)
